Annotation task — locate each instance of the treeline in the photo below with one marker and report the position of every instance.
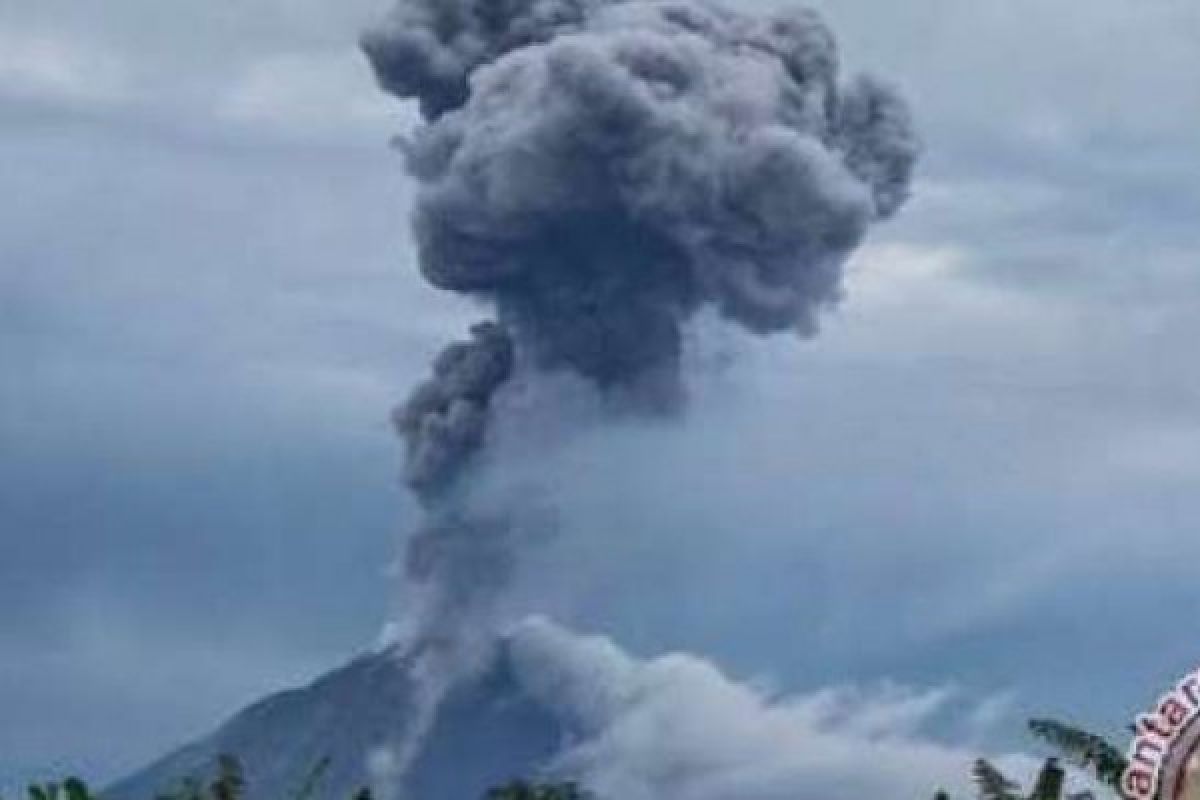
(228, 782)
(1085, 751)
(1076, 747)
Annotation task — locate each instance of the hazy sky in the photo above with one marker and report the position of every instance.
(989, 473)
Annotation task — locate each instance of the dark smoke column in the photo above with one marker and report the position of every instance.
(598, 171)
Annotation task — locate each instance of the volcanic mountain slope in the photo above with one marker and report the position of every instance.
(554, 703)
(488, 731)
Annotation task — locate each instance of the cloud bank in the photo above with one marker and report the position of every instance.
(676, 727)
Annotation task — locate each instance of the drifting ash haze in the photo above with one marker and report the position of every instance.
(551, 702)
(598, 172)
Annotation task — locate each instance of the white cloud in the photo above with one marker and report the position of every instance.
(675, 726)
(306, 93)
(48, 66)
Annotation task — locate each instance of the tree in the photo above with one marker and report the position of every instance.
(1084, 750)
(77, 789)
(992, 784)
(1081, 749)
(230, 783)
(73, 789)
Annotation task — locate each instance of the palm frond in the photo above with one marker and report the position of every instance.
(1083, 749)
(992, 784)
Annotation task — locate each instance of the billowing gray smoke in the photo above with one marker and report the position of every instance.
(445, 419)
(598, 171)
(601, 169)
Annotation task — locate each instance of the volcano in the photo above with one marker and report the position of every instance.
(547, 703)
(488, 731)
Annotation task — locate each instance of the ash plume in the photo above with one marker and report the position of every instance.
(729, 740)
(597, 172)
(445, 418)
(600, 170)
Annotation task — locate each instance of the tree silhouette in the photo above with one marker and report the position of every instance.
(1084, 750)
(992, 784)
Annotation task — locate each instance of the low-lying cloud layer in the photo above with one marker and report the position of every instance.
(676, 727)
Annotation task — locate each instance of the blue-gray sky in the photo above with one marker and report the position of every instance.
(983, 473)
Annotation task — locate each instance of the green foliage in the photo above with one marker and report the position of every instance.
(992, 784)
(76, 789)
(1082, 749)
(1079, 748)
(1049, 784)
(230, 783)
(70, 789)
